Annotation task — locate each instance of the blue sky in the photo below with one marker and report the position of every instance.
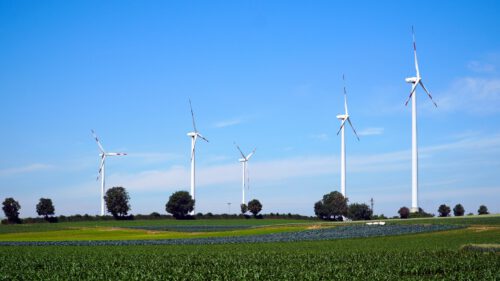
(266, 74)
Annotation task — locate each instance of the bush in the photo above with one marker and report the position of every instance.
(243, 208)
(379, 217)
(483, 210)
(359, 212)
(404, 212)
(155, 215)
(420, 214)
(459, 210)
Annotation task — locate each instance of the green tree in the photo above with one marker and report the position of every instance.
(404, 212)
(254, 206)
(359, 212)
(483, 210)
(420, 214)
(11, 209)
(244, 208)
(45, 208)
(332, 207)
(116, 199)
(459, 210)
(180, 204)
(444, 210)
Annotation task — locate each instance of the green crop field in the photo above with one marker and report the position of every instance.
(446, 249)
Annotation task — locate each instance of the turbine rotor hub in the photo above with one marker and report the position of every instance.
(411, 80)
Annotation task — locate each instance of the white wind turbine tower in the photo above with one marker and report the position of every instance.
(244, 159)
(101, 172)
(194, 136)
(415, 81)
(344, 118)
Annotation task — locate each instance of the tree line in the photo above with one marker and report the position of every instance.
(334, 206)
(180, 205)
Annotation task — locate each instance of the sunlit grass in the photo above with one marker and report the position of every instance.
(114, 233)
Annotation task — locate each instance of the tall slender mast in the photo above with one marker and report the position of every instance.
(414, 154)
(193, 141)
(103, 176)
(344, 118)
(244, 159)
(415, 82)
(244, 163)
(342, 162)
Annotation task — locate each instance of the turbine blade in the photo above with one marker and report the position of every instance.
(349, 120)
(100, 167)
(241, 152)
(345, 95)
(97, 140)
(192, 152)
(192, 115)
(429, 94)
(202, 137)
(341, 126)
(248, 177)
(251, 154)
(415, 52)
(411, 93)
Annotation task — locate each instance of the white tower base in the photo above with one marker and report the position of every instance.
(414, 155)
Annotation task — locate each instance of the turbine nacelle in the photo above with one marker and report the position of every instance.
(342, 116)
(412, 80)
(345, 117)
(115, 154)
(192, 134)
(242, 160)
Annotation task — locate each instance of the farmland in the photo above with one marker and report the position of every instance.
(431, 254)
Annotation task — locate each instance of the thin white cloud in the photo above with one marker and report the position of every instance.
(371, 131)
(489, 142)
(26, 169)
(227, 123)
(473, 95)
(218, 158)
(321, 136)
(295, 167)
(480, 67)
(153, 157)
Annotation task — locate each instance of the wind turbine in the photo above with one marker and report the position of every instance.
(244, 159)
(194, 136)
(415, 81)
(101, 172)
(344, 118)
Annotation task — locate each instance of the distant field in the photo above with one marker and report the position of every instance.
(432, 256)
(454, 254)
(38, 227)
(204, 228)
(466, 220)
